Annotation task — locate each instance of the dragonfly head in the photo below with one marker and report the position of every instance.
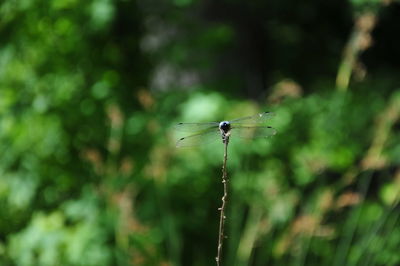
(225, 126)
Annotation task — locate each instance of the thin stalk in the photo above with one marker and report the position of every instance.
(250, 234)
(359, 41)
(222, 217)
(350, 227)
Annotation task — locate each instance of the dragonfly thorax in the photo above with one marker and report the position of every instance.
(225, 126)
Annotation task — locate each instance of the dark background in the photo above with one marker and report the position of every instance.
(90, 91)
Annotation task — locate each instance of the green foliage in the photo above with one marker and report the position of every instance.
(89, 94)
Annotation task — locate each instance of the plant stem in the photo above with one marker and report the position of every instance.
(359, 41)
(222, 217)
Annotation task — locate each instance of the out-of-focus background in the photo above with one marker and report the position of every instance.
(90, 91)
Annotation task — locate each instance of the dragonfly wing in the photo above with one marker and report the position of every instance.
(201, 138)
(195, 127)
(249, 132)
(258, 118)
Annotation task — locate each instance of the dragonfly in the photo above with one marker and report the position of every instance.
(245, 127)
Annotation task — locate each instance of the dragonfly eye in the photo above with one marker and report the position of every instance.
(225, 126)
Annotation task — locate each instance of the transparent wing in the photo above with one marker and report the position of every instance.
(194, 127)
(249, 132)
(202, 138)
(258, 119)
